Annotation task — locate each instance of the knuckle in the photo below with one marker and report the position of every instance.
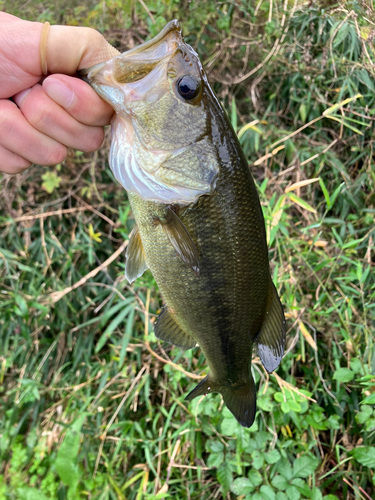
(15, 166)
(39, 116)
(7, 121)
(94, 36)
(94, 139)
(57, 154)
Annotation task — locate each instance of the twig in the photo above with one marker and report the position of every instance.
(148, 11)
(54, 297)
(45, 214)
(176, 367)
(89, 207)
(171, 462)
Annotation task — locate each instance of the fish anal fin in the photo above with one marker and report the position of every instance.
(181, 241)
(204, 387)
(166, 328)
(135, 257)
(240, 398)
(271, 339)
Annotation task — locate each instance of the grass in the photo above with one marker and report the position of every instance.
(92, 405)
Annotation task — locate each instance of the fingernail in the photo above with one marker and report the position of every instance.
(20, 97)
(59, 92)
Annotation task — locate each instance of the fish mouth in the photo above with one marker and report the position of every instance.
(138, 62)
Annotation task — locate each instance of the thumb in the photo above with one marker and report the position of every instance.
(70, 48)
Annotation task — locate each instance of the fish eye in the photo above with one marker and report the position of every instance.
(188, 87)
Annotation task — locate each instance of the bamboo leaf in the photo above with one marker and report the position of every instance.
(299, 184)
(302, 203)
(339, 105)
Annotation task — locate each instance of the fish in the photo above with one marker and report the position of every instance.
(199, 223)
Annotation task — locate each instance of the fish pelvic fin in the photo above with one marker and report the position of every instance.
(135, 257)
(181, 241)
(167, 328)
(271, 338)
(239, 398)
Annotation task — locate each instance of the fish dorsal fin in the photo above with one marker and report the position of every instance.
(181, 241)
(166, 328)
(271, 339)
(135, 257)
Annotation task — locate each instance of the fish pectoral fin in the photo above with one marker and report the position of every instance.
(181, 241)
(135, 257)
(240, 399)
(271, 339)
(166, 328)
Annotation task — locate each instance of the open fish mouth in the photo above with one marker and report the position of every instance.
(138, 62)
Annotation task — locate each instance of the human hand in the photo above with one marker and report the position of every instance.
(43, 119)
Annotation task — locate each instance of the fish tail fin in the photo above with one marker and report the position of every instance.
(271, 338)
(240, 399)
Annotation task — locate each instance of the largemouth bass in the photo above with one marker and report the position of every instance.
(199, 223)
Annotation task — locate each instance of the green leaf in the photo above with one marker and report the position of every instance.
(126, 337)
(352, 243)
(279, 397)
(356, 365)
(343, 375)
(66, 460)
(215, 459)
(293, 493)
(294, 406)
(279, 482)
(255, 477)
(281, 496)
(364, 414)
(285, 408)
(225, 477)
(267, 493)
(285, 469)
(51, 181)
(214, 446)
(241, 486)
(370, 400)
(304, 466)
(325, 192)
(229, 426)
(30, 494)
(316, 494)
(264, 402)
(302, 486)
(272, 456)
(330, 497)
(112, 326)
(365, 456)
(258, 459)
(303, 112)
(336, 192)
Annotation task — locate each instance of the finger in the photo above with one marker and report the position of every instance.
(11, 163)
(70, 48)
(79, 99)
(53, 121)
(18, 136)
